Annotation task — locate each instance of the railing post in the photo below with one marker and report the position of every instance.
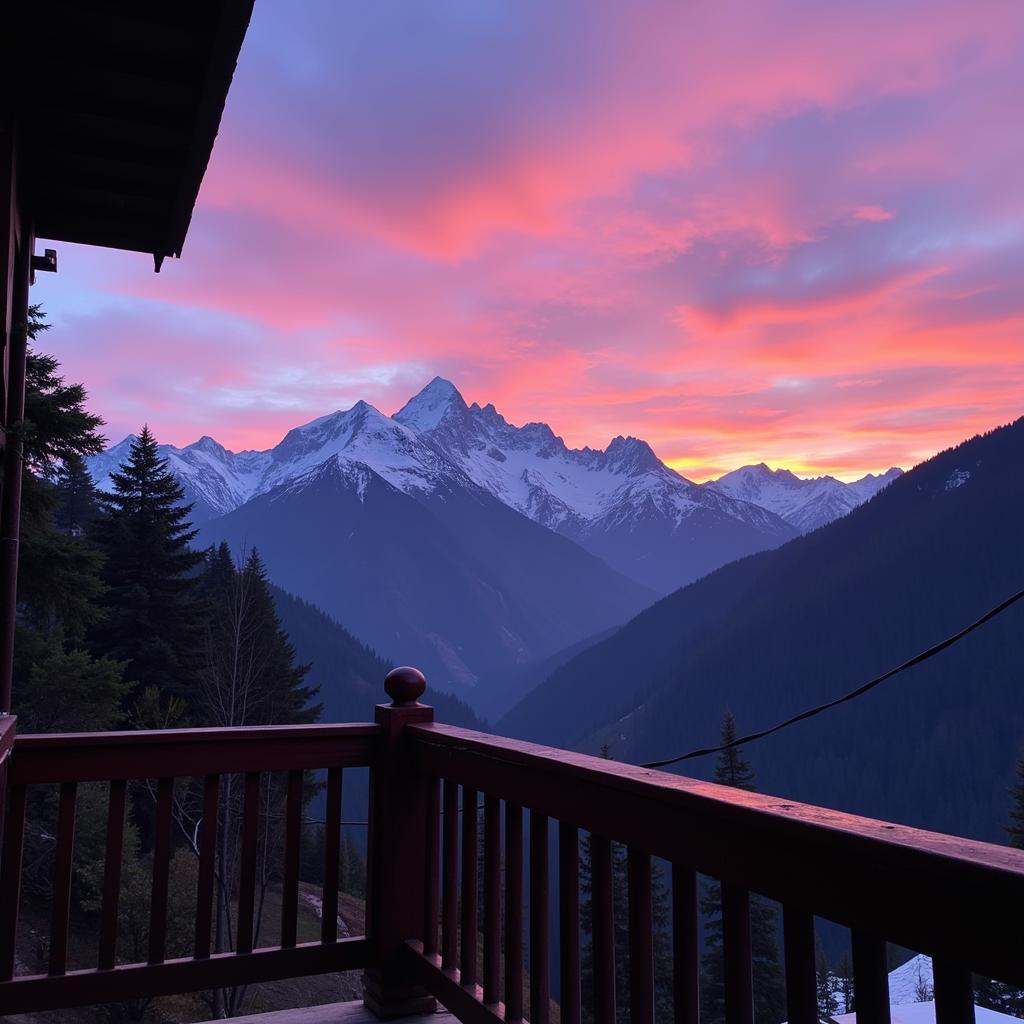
(396, 855)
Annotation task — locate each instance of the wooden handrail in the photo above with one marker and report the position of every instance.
(954, 898)
(105, 756)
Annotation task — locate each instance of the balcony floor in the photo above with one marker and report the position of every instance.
(336, 1013)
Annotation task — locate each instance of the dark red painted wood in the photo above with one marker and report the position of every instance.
(602, 929)
(433, 895)
(492, 899)
(641, 938)
(870, 979)
(161, 870)
(954, 994)
(801, 966)
(292, 851)
(890, 873)
(112, 874)
(736, 951)
(445, 984)
(685, 946)
(151, 754)
(10, 878)
(450, 861)
(468, 929)
(207, 838)
(396, 875)
(40, 993)
(513, 912)
(247, 868)
(332, 856)
(63, 861)
(569, 922)
(540, 935)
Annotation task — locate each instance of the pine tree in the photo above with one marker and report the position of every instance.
(152, 601)
(731, 769)
(1015, 824)
(77, 503)
(828, 1004)
(844, 987)
(57, 685)
(248, 676)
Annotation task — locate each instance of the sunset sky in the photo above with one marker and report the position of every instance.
(789, 232)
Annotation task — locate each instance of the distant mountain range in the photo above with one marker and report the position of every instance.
(785, 630)
(448, 535)
(804, 504)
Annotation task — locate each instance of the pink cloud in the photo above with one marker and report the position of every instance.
(741, 232)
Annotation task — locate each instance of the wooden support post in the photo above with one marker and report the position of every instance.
(396, 861)
(13, 452)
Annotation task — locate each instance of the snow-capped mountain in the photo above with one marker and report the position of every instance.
(805, 504)
(623, 504)
(448, 535)
(218, 481)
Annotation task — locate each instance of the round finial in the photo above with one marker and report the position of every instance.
(404, 685)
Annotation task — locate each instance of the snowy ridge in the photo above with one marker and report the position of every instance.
(623, 503)
(531, 469)
(803, 503)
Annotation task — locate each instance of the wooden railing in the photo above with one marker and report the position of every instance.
(959, 901)
(458, 905)
(161, 757)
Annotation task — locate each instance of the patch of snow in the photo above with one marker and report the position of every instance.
(957, 479)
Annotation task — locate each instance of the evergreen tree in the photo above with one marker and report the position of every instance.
(844, 983)
(77, 505)
(57, 685)
(152, 601)
(828, 1003)
(731, 769)
(248, 676)
(1015, 824)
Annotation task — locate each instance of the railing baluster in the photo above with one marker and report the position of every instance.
(540, 935)
(247, 870)
(954, 993)
(513, 912)
(10, 878)
(870, 979)
(569, 921)
(161, 870)
(602, 929)
(450, 906)
(492, 899)
(292, 848)
(332, 856)
(801, 967)
(63, 861)
(641, 938)
(112, 873)
(685, 945)
(433, 893)
(736, 950)
(467, 950)
(207, 864)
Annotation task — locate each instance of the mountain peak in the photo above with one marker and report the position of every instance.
(429, 407)
(630, 454)
(208, 444)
